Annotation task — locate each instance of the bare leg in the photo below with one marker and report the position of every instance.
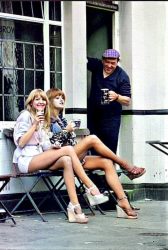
(97, 162)
(92, 141)
(48, 158)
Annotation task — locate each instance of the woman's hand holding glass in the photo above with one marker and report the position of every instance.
(70, 127)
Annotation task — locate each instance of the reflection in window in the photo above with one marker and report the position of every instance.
(56, 80)
(1, 81)
(1, 56)
(20, 103)
(17, 8)
(58, 60)
(29, 81)
(28, 32)
(39, 57)
(8, 54)
(22, 65)
(55, 36)
(8, 81)
(20, 81)
(52, 58)
(39, 79)
(52, 80)
(59, 80)
(1, 112)
(11, 109)
(24, 8)
(19, 55)
(55, 57)
(55, 10)
(29, 56)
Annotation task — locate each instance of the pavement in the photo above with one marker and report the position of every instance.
(103, 232)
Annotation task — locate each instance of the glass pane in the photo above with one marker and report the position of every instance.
(1, 54)
(7, 51)
(55, 10)
(16, 7)
(59, 80)
(6, 7)
(55, 35)
(27, 10)
(19, 55)
(20, 82)
(8, 81)
(1, 110)
(30, 32)
(29, 56)
(39, 80)
(52, 80)
(20, 104)
(29, 81)
(37, 9)
(0, 81)
(55, 80)
(9, 108)
(39, 57)
(52, 59)
(58, 60)
(7, 29)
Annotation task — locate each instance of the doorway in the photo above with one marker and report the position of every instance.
(99, 36)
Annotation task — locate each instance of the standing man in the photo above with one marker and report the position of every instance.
(105, 119)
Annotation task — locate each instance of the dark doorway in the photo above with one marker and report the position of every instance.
(99, 35)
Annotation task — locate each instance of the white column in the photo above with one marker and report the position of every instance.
(143, 46)
(75, 83)
(46, 47)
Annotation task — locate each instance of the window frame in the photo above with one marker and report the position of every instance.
(46, 24)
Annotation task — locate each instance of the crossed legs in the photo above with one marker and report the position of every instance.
(97, 162)
(92, 141)
(67, 159)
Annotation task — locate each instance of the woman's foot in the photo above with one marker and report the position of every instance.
(124, 210)
(94, 196)
(133, 171)
(75, 214)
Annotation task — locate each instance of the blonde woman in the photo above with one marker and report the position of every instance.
(92, 162)
(34, 152)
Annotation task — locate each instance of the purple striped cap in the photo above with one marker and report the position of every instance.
(111, 53)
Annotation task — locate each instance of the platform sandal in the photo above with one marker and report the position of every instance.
(127, 213)
(74, 216)
(95, 199)
(133, 172)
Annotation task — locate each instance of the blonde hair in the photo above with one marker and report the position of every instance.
(28, 104)
(51, 94)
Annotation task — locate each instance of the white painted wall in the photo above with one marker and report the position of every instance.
(143, 43)
(75, 57)
(144, 50)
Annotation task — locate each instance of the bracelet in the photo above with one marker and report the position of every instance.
(117, 97)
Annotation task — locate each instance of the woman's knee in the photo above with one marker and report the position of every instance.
(93, 138)
(107, 164)
(69, 150)
(66, 162)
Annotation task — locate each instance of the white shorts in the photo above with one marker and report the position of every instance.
(23, 163)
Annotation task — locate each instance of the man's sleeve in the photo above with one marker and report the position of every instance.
(125, 86)
(93, 64)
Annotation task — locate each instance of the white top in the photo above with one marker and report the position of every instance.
(34, 145)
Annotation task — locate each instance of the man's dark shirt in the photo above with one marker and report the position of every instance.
(118, 82)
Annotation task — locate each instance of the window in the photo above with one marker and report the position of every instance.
(55, 57)
(22, 65)
(23, 8)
